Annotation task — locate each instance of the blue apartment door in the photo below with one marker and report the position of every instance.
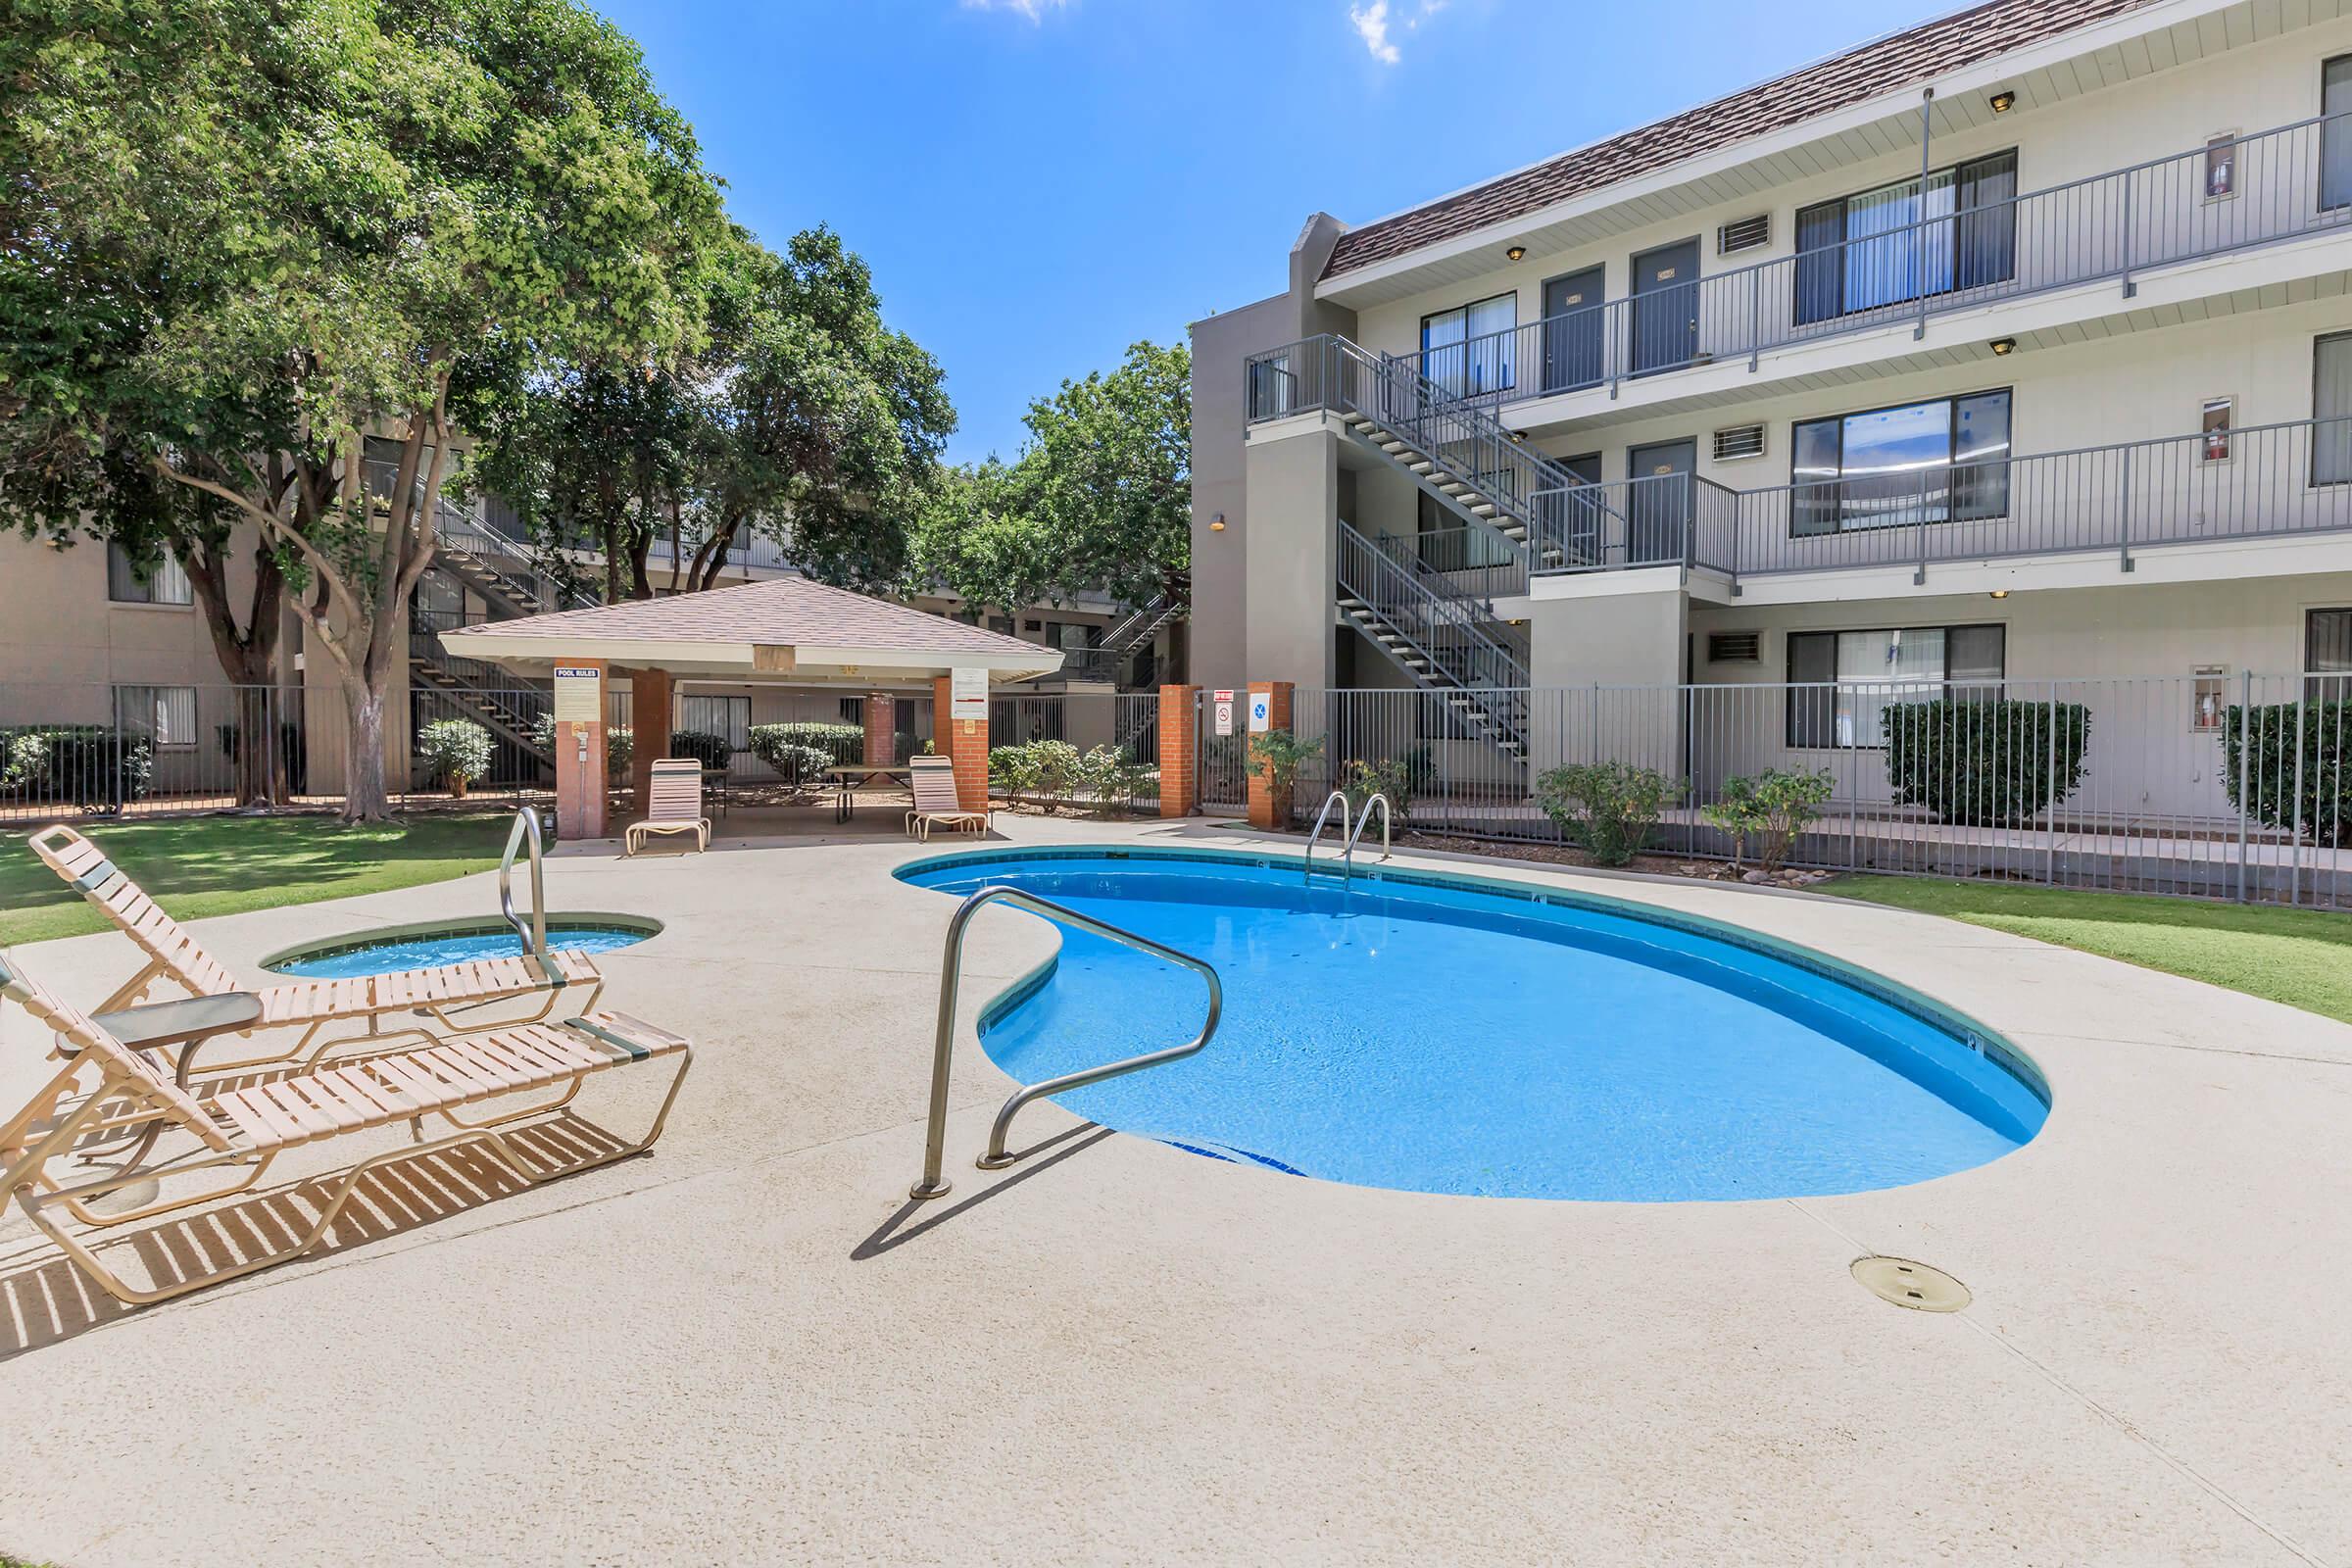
(1657, 500)
(1572, 317)
(1666, 307)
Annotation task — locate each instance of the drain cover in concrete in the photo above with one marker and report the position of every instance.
(1913, 1285)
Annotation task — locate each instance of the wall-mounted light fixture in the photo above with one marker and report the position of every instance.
(1216, 524)
(2003, 101)
(1517, 253)
(1519, 437)
(2000, 593)
(2004, 345)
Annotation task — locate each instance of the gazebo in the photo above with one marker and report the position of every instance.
(788, 631)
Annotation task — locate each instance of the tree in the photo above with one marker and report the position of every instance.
(802, 417)
(247, 235)
(1101, 497)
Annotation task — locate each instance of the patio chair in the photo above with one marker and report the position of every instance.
(936, 800)
(677, 806)
(241, 1131)
(447, 994)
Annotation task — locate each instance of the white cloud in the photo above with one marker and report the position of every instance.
(1373, 22)
(1034, 10)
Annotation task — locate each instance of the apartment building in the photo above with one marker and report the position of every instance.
(2010, 347)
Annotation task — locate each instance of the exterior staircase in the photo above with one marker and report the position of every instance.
(1448, 643)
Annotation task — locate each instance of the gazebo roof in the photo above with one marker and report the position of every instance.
(788, 629)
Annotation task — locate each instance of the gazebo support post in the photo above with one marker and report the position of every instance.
(881, 729)
(965, 741)
(649, 723)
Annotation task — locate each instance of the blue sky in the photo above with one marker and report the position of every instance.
(1037, 183)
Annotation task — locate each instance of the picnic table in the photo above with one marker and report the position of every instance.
(847, 777)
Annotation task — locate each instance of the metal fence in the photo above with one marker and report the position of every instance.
(2215, 785)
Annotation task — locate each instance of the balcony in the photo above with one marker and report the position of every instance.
(2273, 186)
(2263, 482)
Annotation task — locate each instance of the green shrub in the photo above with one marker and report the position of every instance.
(1985, 762)
(90, 765)
(1279, 757)
(1772, 808)
(1390, 776)
(904, 745)
(1609, 808)
(620, 745)
(841, 743)
(711, 751)
(456, 751)
(1110, 779)
(2297, 788)
(1059, 770)
(1012, 772)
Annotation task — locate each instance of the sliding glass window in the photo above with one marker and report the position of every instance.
(2335, 136)
(2331, 409)
(1933, 462)
(1472, 349)
(1882, 247)
(1840, 682)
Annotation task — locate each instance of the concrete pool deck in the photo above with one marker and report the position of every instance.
(750, 1348)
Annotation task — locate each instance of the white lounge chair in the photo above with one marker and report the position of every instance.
(677, 806)
(936, 800)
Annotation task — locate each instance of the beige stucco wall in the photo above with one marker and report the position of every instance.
(1294, 482)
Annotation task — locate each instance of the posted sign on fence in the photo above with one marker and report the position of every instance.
(1261, 712)
(1222, 707)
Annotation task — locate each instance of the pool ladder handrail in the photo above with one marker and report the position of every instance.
(533, 935)
(943, 1050)
(1306, 867)
(1381, 799)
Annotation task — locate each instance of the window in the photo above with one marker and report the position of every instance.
(165, 714)
(2221, 166)
(1842, 681)
(2327, 653)
(1936, 461)
(164, 582)
(2215, 425)
(2209, 695)
(1472, 349)
(730, 716)
(1271, 387)
(853, 711)
(2331, 408)
(1738, 441)
(1884, 246)
(2335, 136)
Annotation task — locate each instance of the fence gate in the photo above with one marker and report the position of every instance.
(1222, 759)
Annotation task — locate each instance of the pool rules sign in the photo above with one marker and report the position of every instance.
(968, 693)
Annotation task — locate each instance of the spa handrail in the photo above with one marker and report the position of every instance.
(944, 1047)
(533, 935)
(1306, 867)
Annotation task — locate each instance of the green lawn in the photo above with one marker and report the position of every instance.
(196, 866)
(2302, 957)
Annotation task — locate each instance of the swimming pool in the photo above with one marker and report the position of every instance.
(397, 948)
(1448, 1034)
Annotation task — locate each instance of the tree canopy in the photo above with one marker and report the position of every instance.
(1101, 497)
(246, 235)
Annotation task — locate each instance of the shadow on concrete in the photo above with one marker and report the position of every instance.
(889, 1235)
(45, 1299)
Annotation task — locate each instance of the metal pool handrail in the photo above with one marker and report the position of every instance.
(1381, 799)
(1306, 867)
(533, 935)
(944, 1047)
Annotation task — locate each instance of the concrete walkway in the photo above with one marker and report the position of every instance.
(748, 1347)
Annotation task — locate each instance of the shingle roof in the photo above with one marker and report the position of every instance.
(781, 611)
(1904, 59)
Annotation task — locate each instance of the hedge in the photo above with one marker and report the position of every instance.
(2302, 790)
(711, 751)
(75, 764)
(1996, 764)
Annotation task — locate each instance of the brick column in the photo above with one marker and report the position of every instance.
(965, 742)
(649, 723)
(1179, 755)
(881, 729)
(1265, 809)
(581, 782)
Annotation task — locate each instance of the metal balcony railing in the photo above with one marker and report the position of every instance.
(2272, 185)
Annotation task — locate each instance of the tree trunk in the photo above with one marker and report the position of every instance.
(365, 798)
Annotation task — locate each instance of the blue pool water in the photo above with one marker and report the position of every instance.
(427, 953)
(1440, 1038)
